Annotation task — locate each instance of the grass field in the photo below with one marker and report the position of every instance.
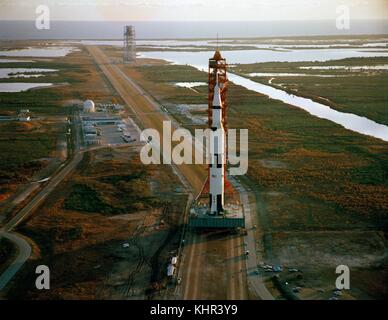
(37, 137)
(6, 248)
(123, 190)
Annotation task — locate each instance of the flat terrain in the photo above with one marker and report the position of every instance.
(6, 249)
(309, 175)
(319, 191)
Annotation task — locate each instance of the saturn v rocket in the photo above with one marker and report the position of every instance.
(217, 124)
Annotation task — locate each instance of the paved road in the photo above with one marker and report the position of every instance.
(24, 251)
(255, 281)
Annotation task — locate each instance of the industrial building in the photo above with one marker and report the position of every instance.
(103, 128)
(89, 106)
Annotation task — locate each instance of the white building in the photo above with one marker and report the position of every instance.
(174, 260)
(89, 106)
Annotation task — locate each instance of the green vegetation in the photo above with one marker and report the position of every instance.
(123, 178)
(22, 148)
(113, 194)
(84, 198)
(41, 101)
(6, 249)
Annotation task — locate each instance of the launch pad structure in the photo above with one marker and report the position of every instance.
(210, 209)
(129, 44)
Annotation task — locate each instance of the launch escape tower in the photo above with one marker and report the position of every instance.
(129, 44)
(217, 212)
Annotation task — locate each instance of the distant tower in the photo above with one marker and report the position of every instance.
(218, 125)
(129, 44)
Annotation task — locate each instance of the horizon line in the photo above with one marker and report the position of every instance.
(215, 21)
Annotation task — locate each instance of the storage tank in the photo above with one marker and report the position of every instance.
(89, 106)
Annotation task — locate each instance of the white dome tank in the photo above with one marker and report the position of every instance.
(89, 106)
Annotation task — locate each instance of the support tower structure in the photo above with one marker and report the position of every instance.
(129, 44)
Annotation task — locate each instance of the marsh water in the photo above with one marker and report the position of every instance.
(48, 52)
(23, 72)
(21, 86)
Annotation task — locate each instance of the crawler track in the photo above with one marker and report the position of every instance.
(135, 241)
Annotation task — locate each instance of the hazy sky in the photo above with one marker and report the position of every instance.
(159, 10)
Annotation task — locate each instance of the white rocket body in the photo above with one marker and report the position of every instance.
(218, 159)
